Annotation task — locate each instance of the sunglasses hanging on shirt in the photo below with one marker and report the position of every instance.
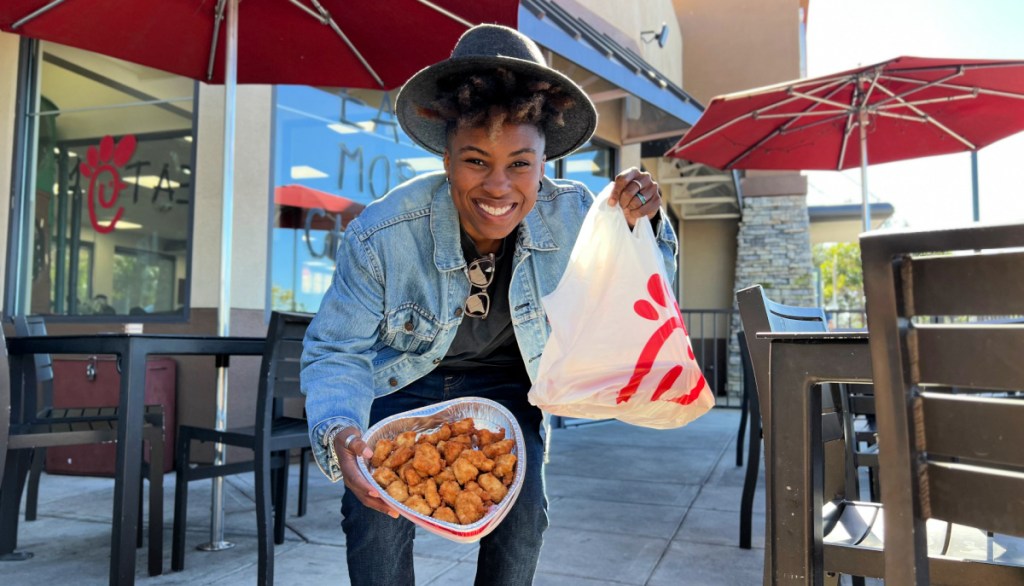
(481, 275)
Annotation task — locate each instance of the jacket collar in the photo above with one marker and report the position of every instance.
(444, 227)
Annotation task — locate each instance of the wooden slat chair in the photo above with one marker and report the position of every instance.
(845, 520)
(35, 325)
(271, 438)
(949, 457)
(50, 427)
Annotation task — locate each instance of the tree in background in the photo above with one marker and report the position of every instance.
(842, 280)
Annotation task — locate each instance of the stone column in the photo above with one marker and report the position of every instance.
(773, 250)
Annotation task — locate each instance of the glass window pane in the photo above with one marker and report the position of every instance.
(592, 165)
(335, 152)
(111, 206)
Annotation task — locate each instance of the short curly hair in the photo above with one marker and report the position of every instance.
(495, 97)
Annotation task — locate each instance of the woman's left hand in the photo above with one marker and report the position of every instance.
(637, 193)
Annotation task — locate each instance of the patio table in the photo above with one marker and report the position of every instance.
(799, 361)
(132, 351)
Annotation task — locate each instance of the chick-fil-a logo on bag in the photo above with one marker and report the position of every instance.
(102, 167)
(658, 290)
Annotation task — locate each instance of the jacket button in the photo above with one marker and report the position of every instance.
(393, 382)
(437, 361)
(458, 312)
(408, 326)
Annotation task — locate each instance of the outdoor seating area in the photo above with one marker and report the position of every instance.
(669, 511)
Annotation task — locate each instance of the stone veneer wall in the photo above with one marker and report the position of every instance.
(773, 250)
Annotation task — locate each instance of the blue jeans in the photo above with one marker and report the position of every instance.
(380, 548)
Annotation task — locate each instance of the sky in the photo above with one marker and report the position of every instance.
(931, 192)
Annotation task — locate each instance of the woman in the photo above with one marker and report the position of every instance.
(438, 285)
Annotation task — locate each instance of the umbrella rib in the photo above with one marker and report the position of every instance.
(784, 128)
(447, 13)
(936, 123)
(36, 13)
(218, 19)
(964, 88)
(322, 15)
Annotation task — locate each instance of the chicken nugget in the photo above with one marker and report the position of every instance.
(406, 439)
(465, 439)
(430, 493)
(411, 476)
(442, 434)
(498, 448)
(445, 514)
(427, 460)
(474, 487)
(464, 471)
(505, 467)
(418, 504)
(400, 456)
(493, 486)
(452, 450)
(446, 474)
(469, 508)
(463, 426)
(381, 451)
(486, 437)
(398, 491)
(478, 459)
(449, 491)
(384, 476)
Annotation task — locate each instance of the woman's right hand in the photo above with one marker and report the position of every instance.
(367, 493)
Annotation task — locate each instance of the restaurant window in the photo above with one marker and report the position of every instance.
(336, 151)
(104, 212)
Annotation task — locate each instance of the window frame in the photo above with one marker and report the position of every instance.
(26, 131)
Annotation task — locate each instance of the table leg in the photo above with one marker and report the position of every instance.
(129, 463)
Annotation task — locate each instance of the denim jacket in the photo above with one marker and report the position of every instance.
(400, 282)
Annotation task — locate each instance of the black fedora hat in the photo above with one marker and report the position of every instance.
(485, 47)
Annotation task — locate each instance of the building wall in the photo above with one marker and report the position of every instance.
(732, 45)
(624, 21)
(8, 84)
(252, 206)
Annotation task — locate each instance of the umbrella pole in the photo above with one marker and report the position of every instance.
(975, 199)
(866, 207)
(217, 542)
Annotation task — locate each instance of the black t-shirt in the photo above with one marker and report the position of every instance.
(490, 341)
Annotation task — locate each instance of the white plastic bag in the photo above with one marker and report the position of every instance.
(618, 346)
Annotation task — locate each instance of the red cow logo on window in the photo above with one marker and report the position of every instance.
(102, 167)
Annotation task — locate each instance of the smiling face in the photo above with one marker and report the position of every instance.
(494, 179)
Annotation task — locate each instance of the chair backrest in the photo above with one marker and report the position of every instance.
(279, 370)
(760, 314)
(955, 457)
(35, 325)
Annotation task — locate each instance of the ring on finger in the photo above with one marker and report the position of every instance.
(349, 440)
(639, 186)
(643, 200)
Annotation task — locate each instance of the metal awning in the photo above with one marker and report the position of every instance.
(664, 109)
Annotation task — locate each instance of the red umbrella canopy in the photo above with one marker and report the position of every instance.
(912, 107)
(298, 42)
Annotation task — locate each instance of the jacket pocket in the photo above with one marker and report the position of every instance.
(410, 328)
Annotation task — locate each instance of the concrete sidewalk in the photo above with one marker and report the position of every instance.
(628, 506)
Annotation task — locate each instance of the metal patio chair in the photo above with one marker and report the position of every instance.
(271, 437)
(843, 515)
(31, 430)
(951, 451)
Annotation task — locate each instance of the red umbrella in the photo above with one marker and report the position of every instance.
(905, 108)
(369, 44)
(374, 44)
